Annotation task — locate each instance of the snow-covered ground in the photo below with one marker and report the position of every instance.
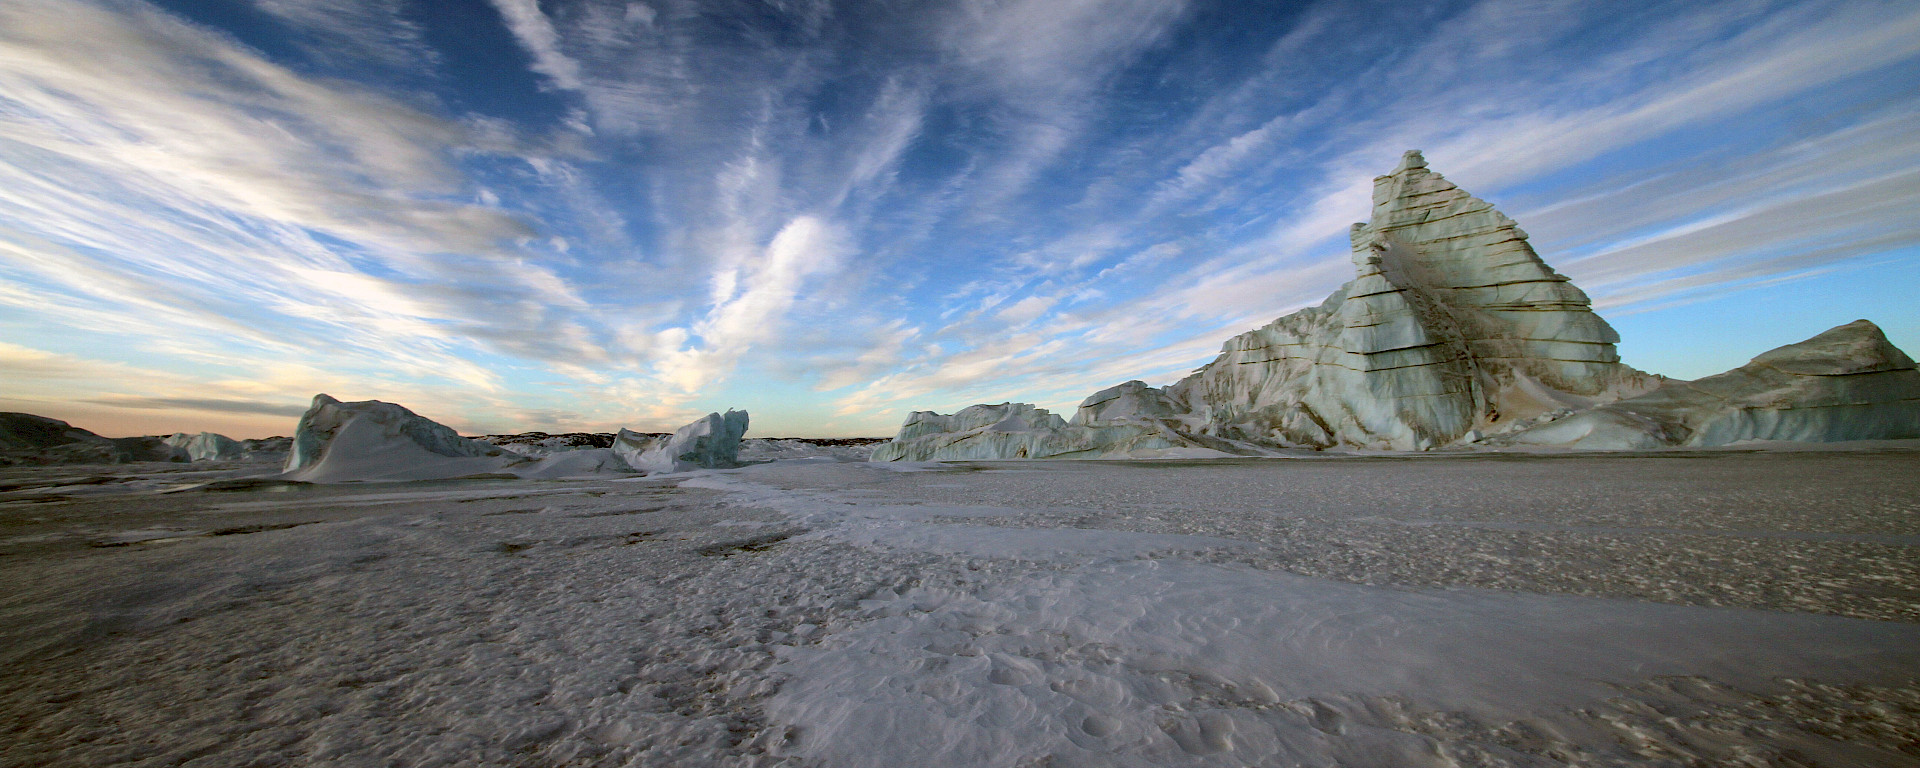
(1716, 608)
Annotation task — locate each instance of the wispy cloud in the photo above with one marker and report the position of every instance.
(537, 36)
(857, 207)
(204, 404)
(1488, 136)
(753, 306)
(161, 182)
(345, 32)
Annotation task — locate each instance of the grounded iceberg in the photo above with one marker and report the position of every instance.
(1453, 333)
(711, 442)
(207, 446)
(1452, 325)
(1848, 383)
(1021, 431)
(375, 441)
(372, 440)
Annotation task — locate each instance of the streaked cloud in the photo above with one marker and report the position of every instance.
(203, 404)
(537, 36)
(839, 211)
(342, 33)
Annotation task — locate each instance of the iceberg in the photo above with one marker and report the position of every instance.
(1848, 383)
(1453, 325)
(370, 440)
(274, 449)
(207, 446)
(1101, 429)
(1453, 333)
(542, 444)
(711, 442)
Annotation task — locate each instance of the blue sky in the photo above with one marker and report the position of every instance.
(586, 214)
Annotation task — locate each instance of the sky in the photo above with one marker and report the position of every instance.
(581, 215)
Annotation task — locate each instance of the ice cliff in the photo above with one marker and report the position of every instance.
(1453, 332)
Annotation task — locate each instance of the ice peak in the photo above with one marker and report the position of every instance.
(1853, 348)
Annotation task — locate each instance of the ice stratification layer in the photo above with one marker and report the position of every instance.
(1451, 324)
(1453, 332)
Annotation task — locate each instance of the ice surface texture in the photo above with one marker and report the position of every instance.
(1429, 612)
(1453, 332)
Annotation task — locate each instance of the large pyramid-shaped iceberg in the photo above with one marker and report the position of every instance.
(1453, 332)
(1451, 325)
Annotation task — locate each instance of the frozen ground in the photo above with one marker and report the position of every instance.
(1721, 608)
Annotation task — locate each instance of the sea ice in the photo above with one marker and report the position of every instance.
(1432, 611)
